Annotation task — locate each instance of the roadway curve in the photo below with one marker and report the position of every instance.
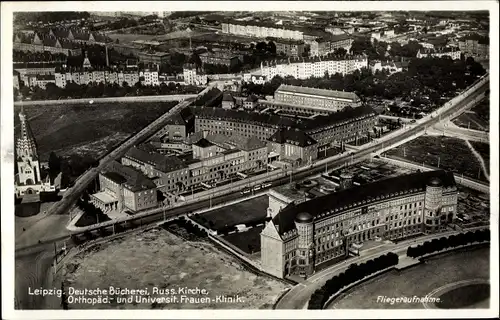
(298, 297)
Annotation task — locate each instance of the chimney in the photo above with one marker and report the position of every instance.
(107, 56)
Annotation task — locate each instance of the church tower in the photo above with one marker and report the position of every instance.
(86, 62)
(27, 156)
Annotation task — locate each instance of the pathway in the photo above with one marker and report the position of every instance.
(481, 160)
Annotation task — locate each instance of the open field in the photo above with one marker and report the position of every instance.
(478, 118)
(484, 150)
(157, 258)
(447, 153)
(421, 280)
(88, 129)
(239, 213)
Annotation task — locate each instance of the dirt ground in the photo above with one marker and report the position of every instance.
(157, 258)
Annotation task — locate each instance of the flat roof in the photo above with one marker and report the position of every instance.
(104, 197)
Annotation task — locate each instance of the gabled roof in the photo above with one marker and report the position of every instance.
(203, 143)
(252, 98)
(293, 136)
(227, 97)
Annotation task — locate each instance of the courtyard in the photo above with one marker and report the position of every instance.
(436, 273)
(157, 258)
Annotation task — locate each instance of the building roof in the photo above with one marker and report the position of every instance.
(227, 97)
(360, 196)
(272, 120)
(133, 179)
(159, 161)
(317, 92)
(293, 136)
(203, 143)
(252, 98)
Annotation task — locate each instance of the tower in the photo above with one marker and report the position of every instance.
(86, 62)
(28, 173)
(346, 180)
(305, 229)
(432, 206)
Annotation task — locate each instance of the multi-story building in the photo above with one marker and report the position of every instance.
(340, 127)
(226, 58)
(254, 78)
(324, 45)
(304, 68)
(27, 70)
(306, 100)
(451, 52)
(302, 236)
(228, 101)
(291, 48)
(82, 76)
(124, 188)
(16, 79)
(40, 81)
(250, 102)
(475, 46)
(150, 77)
(193, 76)
(261, 30)
(177, 127)
(293, 145)
(210, 161)
(35, 43)
(153, 57)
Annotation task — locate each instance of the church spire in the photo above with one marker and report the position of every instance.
(86, 61)
(26, 145)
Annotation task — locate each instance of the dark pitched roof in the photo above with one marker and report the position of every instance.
(161, 162)
(335, 203)
(252, 98)
(227, 97)
(203, 143)
(272, 120)
(131, 177)
(292, 136)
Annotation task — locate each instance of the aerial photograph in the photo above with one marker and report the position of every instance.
(180, 160)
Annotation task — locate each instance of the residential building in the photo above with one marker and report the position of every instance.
(304, 68)
(153, 57)
(228, 102)
(291, 48)
(451, 52)
(475, 46)
(16, 79)
(304, 235)
(261, 30)
(329, 43)
(40, 81)
(226, 58)
(250, 102)
(177, 127)
(254, 78)
(293, 145)
(124, 188)
(194, 76)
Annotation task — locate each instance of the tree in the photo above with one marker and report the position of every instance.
(340, 51)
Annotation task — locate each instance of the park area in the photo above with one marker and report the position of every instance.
(446, 153)
(458, 270)
(88, 130)
(157, 258)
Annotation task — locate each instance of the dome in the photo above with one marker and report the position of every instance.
(435, 182)
(303, 217)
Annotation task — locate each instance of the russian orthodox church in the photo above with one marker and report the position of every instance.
(28, 179)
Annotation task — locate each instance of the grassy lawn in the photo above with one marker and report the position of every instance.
(418, 281)
(157, 258)
(471, 121)
(88, 129)
(27, 209)
(239, 213)
(451, 153)
(89, 219)
(248, 241)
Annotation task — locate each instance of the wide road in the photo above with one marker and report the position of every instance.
(170, 97)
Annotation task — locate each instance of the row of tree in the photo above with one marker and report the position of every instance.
(208, 99)
(354, 272)
(190, 227)
(452, 241)
(30, 57)
(46, 16)
(100, 90)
